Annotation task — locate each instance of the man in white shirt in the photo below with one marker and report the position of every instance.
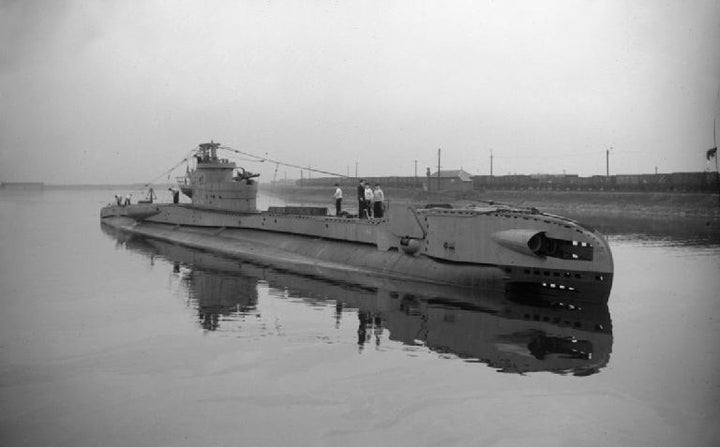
(378, 202)
(368, 200)
(338, 199)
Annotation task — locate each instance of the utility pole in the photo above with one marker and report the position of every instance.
(438, 176)
(607, 162)
(416, 173)
(491, 163)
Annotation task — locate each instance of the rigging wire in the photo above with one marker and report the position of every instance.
(290, 165)
(167, 172)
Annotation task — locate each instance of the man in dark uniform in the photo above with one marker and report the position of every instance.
(361, 199)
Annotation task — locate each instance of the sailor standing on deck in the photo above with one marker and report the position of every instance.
(338, 199)
(175, 194)
(361, 199)
(378, 201)
(368, 201)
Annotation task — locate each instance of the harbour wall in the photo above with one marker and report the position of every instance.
(668, 182)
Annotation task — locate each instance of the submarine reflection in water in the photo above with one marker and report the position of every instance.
(513, 333)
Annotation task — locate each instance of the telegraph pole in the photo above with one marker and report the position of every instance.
(491, 162)
(438, 176)
(607, 162)
(416, 174)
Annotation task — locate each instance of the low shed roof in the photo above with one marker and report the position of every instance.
(457, 173)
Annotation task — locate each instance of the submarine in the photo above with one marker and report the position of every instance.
(478, 246)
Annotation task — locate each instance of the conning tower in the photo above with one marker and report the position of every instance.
(218, 183)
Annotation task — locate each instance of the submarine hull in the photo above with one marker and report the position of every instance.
(309, 255)
(347, 247)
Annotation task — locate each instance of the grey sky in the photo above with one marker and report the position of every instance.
(96, 92)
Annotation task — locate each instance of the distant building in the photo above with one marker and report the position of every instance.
(450, 180)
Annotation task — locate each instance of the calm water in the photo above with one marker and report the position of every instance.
(111, 341)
